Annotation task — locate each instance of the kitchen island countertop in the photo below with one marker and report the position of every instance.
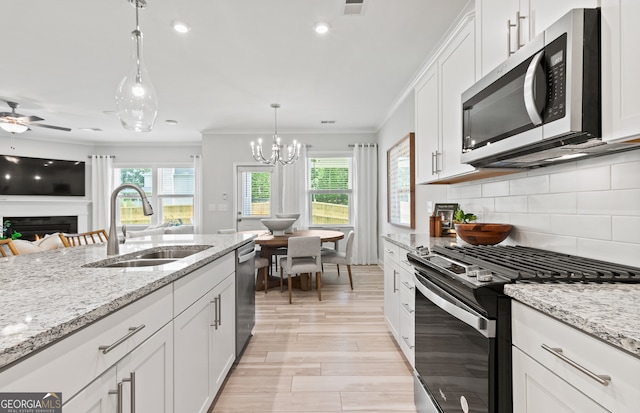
(48, 295)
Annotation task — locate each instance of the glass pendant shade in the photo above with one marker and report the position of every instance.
(136, 99)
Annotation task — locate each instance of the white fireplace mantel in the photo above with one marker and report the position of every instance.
(46, 206)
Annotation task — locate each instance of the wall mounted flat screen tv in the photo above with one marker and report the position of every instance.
(20, 175)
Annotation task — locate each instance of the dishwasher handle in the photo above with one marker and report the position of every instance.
(246, 257)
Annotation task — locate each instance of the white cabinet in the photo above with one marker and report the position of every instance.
(501, 24)
(204, 339)
(399, 298)
(142, 381)
(506, 25)
(391, 290)
(438, 108)
(620, 68)
(557, 368)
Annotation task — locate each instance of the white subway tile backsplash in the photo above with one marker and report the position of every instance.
(563, 182)
(626, 229)
(495, 189)
(531, 222)
(622, 202)
(529, 185)
(511, 204)
(563, 203)
(588, 207)
(625, 175)
(618, 252)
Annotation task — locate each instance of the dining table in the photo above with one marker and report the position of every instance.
(269, 243)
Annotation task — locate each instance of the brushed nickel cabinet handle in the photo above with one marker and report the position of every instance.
(408, 307)
(406, 340)
(119, 394)
(132, 331)
(600, 378)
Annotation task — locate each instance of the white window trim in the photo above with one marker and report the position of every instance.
(310, 192)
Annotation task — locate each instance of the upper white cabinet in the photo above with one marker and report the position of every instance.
(438, 108)
(620, 68)
(506, 25)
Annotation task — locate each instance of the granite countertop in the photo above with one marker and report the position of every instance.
(412, 241)
(606, 311)
(48, 295)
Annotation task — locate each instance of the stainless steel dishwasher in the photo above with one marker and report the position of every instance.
(245, 295)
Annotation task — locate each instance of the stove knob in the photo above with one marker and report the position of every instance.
(484, 275)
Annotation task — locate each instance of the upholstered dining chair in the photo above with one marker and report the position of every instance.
(84, 238)
(341, 258)
(10, 246)
(303, 257)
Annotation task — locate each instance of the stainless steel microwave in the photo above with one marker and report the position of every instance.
(542, 103)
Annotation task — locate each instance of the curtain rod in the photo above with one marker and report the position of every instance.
(353, 145)
(101, 156)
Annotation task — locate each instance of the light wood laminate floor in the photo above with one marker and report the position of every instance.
(330, 356)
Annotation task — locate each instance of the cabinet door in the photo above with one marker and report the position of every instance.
(457, 73)
(538, 390)
(427, 115)
(193, 332)
(391, 294)
(493, 17)
(620, 68)
(149, 371)
(224, 334)
(97, 397)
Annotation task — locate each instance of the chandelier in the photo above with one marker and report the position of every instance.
(286, 155)
(136, 98)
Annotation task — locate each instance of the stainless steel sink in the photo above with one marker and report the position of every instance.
(138, 262)
(178, 253)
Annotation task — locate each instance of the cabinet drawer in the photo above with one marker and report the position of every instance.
(532, 330)
(407, 300)
(189, 289)
(69, 364)
(404, 262)
(391, 251)
(407, 336)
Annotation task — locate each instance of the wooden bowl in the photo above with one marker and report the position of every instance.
(483, 234)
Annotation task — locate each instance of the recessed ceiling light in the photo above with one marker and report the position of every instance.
(321, 28)
(171, 122)
(180, 27)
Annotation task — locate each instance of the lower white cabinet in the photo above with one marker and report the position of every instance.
(399, 298)
(558, 368)
(141, 382)
(204, 347)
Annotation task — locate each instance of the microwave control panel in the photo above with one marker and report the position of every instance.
(555, 59)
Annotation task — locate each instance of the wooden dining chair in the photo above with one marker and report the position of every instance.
(9, 243)
(84, 238)
(341, 258)
(303, 257)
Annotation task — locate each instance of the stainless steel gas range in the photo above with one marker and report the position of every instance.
(463, 319)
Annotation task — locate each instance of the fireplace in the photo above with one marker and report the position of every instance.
(30, 226)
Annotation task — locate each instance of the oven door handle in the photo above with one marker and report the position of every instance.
(479, 323)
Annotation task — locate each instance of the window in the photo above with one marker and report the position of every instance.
(255, 193)
(169, 190)
(330, 190)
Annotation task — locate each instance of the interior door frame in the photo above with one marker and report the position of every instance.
(275, 187)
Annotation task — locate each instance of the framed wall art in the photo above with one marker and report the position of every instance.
(401, 199)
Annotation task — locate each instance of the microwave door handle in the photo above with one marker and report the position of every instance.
(529, 88)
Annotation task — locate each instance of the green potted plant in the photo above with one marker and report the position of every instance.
(5, 231)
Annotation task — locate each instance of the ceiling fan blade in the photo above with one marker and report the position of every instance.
(42, 125)
(28, 118)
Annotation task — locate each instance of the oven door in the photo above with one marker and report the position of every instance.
(454, 352)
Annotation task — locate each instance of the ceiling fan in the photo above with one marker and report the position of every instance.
(16, 123)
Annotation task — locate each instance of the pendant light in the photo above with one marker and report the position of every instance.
(292, 151)
(136, 100)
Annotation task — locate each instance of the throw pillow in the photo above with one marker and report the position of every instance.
(49, 242)
(26, 247)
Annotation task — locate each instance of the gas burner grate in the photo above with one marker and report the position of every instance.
(536, 265)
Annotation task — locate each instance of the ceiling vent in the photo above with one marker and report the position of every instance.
(354, 7)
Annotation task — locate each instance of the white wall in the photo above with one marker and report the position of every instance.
(221, 151)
